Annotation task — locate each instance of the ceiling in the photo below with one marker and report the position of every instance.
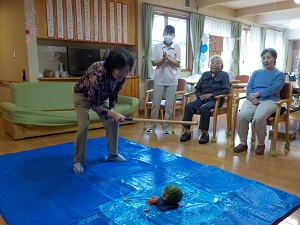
(272, 13)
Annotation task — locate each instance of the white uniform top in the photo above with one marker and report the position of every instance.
(166, 74)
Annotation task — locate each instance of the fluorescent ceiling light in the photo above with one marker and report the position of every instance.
(297, 1)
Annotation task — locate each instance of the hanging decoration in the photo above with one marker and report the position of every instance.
(202, 58)
(30, 29)
(203, 48)
(204, 38)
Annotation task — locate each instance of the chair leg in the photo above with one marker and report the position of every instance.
(229, 123)
(253, 137)
(287, 137)
(213, 138)
(145, 116)
(273, 151)
(161, 112)
(233, 122)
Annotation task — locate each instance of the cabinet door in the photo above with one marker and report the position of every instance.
(135, 90)
(131, 87)
(41, 18)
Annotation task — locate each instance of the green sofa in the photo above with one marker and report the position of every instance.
(44, 108)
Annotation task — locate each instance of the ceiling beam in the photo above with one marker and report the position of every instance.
(208, 3)
(266, 8)
(278, 16)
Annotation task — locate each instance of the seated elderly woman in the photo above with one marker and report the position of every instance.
(262, 94)
(211, 83)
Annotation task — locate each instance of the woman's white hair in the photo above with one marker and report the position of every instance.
(217, 57)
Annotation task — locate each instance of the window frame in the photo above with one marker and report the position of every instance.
(189, 55)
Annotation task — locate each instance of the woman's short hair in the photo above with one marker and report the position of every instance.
(118, 58)
(217, 57)
(271, 50)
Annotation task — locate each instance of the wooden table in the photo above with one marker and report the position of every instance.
(295, 85)
(238, 86)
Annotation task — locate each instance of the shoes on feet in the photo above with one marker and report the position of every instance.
(204, 138)
(260, 150)
(185, 136)
(150, 131)
(78, 168)
(167, 131)
(116, 158)
(240, 148)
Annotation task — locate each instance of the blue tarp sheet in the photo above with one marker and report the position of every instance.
(39, 187)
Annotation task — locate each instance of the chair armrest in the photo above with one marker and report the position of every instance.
(282, 101)
(149, 91)
(187, 95)
(128, 100)
(238, 99)
(7, 106)
(7, 109)
(223, 96)
(180, 92)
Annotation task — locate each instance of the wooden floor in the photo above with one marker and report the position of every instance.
(282, 172)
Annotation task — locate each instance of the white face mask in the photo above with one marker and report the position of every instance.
(168, 38)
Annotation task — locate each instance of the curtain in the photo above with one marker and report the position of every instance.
(285, 48)
(255, 33)
(222, 28)
(196, 30)
(251, 52)
(263, 41)
(236, 32)
(274, 39)
(296, 53)
(148, 15)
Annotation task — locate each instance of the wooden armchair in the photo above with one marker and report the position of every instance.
(225, 109)
(280, 116)
(178, 101)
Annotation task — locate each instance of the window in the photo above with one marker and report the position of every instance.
(221, 28)
(181, 24)
(250, 50)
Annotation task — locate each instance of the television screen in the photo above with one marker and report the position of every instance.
(80, 59)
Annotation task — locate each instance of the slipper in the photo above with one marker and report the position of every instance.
(240, 148)
(260, 150)
(204, 138)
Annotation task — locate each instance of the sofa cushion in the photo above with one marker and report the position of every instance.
(43, 96)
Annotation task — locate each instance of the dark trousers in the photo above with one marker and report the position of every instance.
(204, 108)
